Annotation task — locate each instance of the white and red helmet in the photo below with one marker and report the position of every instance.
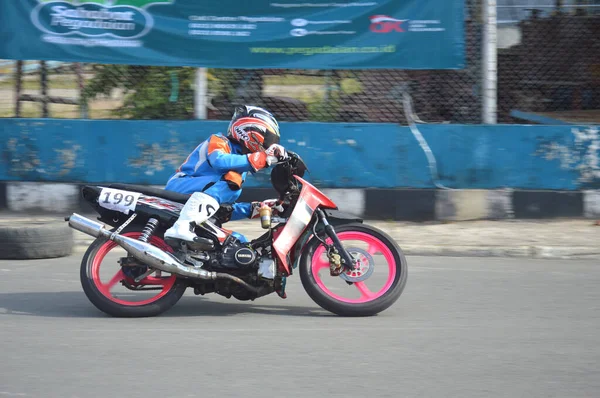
(253, 128)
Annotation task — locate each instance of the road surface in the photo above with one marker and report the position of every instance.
(464, 327)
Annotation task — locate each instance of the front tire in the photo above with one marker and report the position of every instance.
(99, 293)
(370, 302)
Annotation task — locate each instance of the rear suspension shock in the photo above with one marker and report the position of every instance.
(148, 230)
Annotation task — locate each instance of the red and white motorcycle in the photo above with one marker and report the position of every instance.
(310, 235)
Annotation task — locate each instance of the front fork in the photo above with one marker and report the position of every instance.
(339, 258)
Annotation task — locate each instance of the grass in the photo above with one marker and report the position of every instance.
(349, 85)
(293, 80)
(308, 89)
(35, 84)
(97, 110)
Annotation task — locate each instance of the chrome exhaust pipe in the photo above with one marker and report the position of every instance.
(144, 252)
(87, 226)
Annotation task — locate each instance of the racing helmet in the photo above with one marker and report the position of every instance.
(254, 128)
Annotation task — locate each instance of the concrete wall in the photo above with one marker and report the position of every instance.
(338, 155)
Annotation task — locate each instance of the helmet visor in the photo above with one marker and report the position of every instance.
(270, 139)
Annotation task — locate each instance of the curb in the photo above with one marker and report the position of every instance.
(535, 252)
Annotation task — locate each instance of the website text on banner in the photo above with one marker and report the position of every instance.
(404, 34)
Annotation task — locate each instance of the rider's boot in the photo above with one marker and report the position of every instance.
(189, 217)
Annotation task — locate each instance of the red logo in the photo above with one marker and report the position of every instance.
(386, 24)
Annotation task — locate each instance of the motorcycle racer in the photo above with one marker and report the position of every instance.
(218, 167)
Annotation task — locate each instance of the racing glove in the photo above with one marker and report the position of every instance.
(273, 155)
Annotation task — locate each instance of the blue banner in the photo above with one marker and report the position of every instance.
(302, 34)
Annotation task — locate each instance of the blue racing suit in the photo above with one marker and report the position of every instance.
(218, 168)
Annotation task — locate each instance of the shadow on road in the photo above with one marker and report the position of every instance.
(76, 304)
(195, 306)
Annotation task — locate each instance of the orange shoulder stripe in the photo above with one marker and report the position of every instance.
(217, 143)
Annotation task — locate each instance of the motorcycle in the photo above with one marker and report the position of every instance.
(307, 235)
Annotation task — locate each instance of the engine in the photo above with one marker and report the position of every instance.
(236, 255)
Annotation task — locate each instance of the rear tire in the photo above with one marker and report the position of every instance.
(368, 307)
(99, 299)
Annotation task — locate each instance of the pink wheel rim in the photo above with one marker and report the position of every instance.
(104, 288)
(374, 246)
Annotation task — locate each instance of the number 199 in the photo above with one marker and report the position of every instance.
(118, 198)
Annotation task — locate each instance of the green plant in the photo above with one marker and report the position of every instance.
(149, 92)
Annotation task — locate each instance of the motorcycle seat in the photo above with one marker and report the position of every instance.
(159, 193)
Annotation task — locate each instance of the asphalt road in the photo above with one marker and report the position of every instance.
(464, 327)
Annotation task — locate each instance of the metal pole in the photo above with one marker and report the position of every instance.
(18, 86)
(201, 94)
(83, 109)
(490, 63)
(44, 87)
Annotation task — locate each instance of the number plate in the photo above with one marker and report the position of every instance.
(115, 199)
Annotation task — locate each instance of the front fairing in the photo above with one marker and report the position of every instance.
(309, 200)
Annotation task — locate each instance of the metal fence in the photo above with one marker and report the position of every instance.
(548, 66)
(549, 61)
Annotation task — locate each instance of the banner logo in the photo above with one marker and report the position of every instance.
(386, 24)
(119, 19)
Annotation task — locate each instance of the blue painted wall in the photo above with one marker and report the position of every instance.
(338, 155)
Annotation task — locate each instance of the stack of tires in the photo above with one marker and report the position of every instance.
(27, 238)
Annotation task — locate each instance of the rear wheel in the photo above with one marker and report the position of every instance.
(373, 287)
(101, 276)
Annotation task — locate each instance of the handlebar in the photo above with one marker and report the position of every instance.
(282, 179)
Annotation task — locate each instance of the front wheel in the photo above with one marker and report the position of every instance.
(365, 291)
